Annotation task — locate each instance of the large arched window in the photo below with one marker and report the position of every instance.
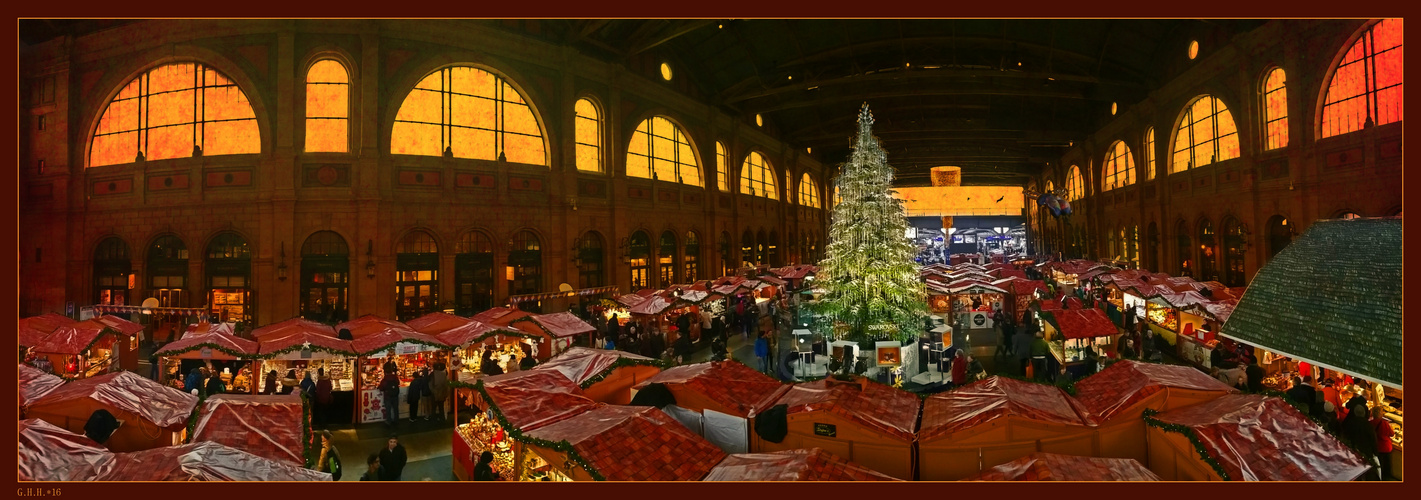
(1119, 167)
(112, 270)
(722, 172)
(640, 253)
(1075, 184)
(229, 269)
(172, 111)
(167, 271)
(1275, 110)
(692, 256)
(416, 276)
(590, 267)
(588, 125)
(1184, 249)
(473, 274)
(659, 150)
(1233, 252)
(666, 259)
(327, 107)
(525, 268)
(808, 192)
(470, 113)
(325, 277)
(1366, 86)
(1206, 134)
(1149, 154)
(757, 177)
(1279, 235)
(1208, 252)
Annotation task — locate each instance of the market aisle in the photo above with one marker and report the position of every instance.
(427, 444)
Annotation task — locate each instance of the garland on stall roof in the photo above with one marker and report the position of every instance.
(224, 350)
(392, 345)
(105, 331)
(192, 419)
(308, 450)
(1151, 421)
(517, 434)
(623, 362)
(264, 356)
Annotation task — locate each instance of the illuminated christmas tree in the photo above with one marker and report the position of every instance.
(870, 280)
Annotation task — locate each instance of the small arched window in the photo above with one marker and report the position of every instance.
(588, 136)
(327, 107)
(1119, 167)
(659, 150)
(808, 192)
(1149, 154)
(757, 177)
(722, 173)
(1275, 110)
(1206, 134)
(1366, 86)
(172, 111)
(1075, 184)
(470, 113)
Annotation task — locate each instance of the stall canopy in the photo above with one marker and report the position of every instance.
(1055, 467)
(580, 364)
(456, 331)
(728, 387)
(627, 443)
(1259, 438)
(813, 464)
(35, 384)
(886, 409)
(290, 344)
(1218, 311)
(631, 299)
(217, 337)
(34, 329)
(1126, 382)
(656, 304)
(563, 324)
(266, 426)
(293, 325)
(50, 453)
(205, 461)
(78, 337)
(998, 397)
(1332, 298)
(374, 335)
(118, 324)
(1080, 323)
(501, 316)
(773, 281)
(1021, 286)
(534, 398)
(162, 405)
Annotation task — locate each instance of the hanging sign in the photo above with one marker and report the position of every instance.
(827, 430)
(408, 348)
(207, 353)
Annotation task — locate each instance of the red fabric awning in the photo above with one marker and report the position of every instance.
(220, 337)
(120, 325)
(48, 452)
(635, 443)
(75, 338)
(1080, 323)
(376, 337)
(1127, 382)
(653, 305)
(35, 384)
(454, 330)
(34, 329)
(293, 325)
(159, 404)
(265, 426)
(1053, 467)
(436, 323)
(297, 339)
(889, 410)
(998, 397)
(205, 461)
(563, 324)
(500, 316)
(535, 398)
(579, 364)
(812, 464)
(729, 383)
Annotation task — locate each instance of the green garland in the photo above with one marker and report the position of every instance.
(238, 355)
(105, 331)
(623, 362)
(192, 419)
(308, 449)
(1151, 421)
(518, 435)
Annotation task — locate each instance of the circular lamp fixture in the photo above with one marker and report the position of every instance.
(1193, 49)
(809, 150)
(1113, 108)
(666, 71)
(759, 120)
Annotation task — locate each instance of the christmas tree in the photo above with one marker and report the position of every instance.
(870, 280)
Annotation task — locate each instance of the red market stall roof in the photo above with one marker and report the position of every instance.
(35, 384)
(1218, 311)
(580, 364)
(729, 383)
(1009, 273)
(692, 296)
(299, 339)
(501, 316)
(656, 304)
(998, 397)
(889, 410)
(563, 324)
(1021, 286)
(266, 426)
(1072, 303)
(630, 443)
(205, 461)
(773, 280)
(459, 331)
(1080, 323)
(631, 299)
(797, 272)
(78, 337)
(534, 398)
(1093, 273)
(293, 325)
(157, 403)
(813, 464)
(1054, 467)
(1126, 382)
(972, 286)
(34, 329)
(436, 323)
(1181, 300)
(121, 325)
(217, 337)
(48, 452)
(1259, 438)
(374, 334)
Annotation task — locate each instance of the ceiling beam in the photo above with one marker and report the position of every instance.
(953, 41)
(928, 92)
(672, 34)
(926, 76)
(591, 26)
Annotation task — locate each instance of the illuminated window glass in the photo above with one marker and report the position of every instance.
(789, 187)
(470, 112)
(327, 107)
(1119, 167)
(659, 150)
(722, 173)
(1150, 154)
(808, 192)
(589, 136)
(757, 178)
(1275, 110)
(169, 110)
(1367, 83)
(666, 259)
(1075, 184)
(692, 256)
(1206, 134)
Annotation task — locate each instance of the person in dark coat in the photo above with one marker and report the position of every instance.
(392, 459)
(762, 352)
(390, 389)
(308, 385)
(193, 381)
(484, 470)
(1302, 393)
(684, 348)
(270, 386)
(415, 392)
(374, 470)
(1022, 343)
(1358, 430)
(215, 385)
(1255, 377)
(323, 397)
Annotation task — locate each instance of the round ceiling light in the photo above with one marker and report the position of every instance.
(1113, 108)
(1193, 49)
(666, 71)
(759, 120)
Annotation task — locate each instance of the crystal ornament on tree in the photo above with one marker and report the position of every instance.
(870, 280)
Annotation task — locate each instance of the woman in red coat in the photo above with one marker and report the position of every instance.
(1384, 447)
(959, 369)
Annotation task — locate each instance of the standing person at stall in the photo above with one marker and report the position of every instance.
(392, 459)
(1301, 392)
(390, 388)
(308, 386)
(439, 390)
(1022, 343)
(270, 386)
(1384, 446)
(330, 457)
(959, 369)
(416, 391)
(1359, 431)
(1255, 377)
(684, 349)
(323, 397)
(1040, 350)
(484, 470)
(215, 385)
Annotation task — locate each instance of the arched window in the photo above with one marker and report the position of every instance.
(1208, 250)
(1184, 249)
(473, 274)
(757, 177)
(808, 192)
(167, 271)
(588, 136)
(590, 260)
(1233, 252)
(640, 253)
(1149, 154)
(1075, 184)
(170, 112)
(229, 269)
(1275, 110)
(1206, 134)
(722, 172)
(416, 276)
(325, 277)
(112, 271)
(327, 107)
(1279, 235)
(666, 259)
(692, 257)
(659, 150)
(470, 113)
(1119, 167)
(1366, 86)
(747, 249)
(525, 268)
(1349, 215)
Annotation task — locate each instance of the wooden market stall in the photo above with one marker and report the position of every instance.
(51, 453)
(1076, 336)
(812, 464)
(490, 413)
(91, 347)
(34, 329)
(153, 415)
(1250, 437)
(206, 461)
(308, 347)
(1199, 327)
(556, 329)
(1021, 292)
(996, 420)
(861, 420)
(604, 376)
(205, 342)
(618, 443)
(1055, 467)
(715, 399)
(276, 428)
(380, 341)
(34, 384)
(973, 302)
(469, 340)
(1119, 395)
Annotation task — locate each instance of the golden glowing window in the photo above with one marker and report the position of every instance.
(1119, 167)
(789, 187)
(757, 178)
(1275, 110)
(471, 113)
(808, 192)
(1150, 154)
(722, 172)
(327, 107)
(1075, 184)
(168, 111)
(589, 136)
(659, 150)
(1193, 49)
(1206, 134)
(1367, 84)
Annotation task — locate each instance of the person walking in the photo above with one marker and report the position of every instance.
(1384, 445)
(762, 353)
(330, 457)
(415, 392)
(1021, 342)
(1039, 351)
(484, 470)
(323, 397)
(372, 471)
(959, 369)
(390, 388)
(392, 459)
(438, 389)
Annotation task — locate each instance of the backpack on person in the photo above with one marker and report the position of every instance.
(335, 467)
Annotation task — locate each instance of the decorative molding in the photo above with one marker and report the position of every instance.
(167, 182)
(1344, 158)
(113, 186)
(325, 175)
(524, 184)
(485, 181)
(231, 178)
(423, 178)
